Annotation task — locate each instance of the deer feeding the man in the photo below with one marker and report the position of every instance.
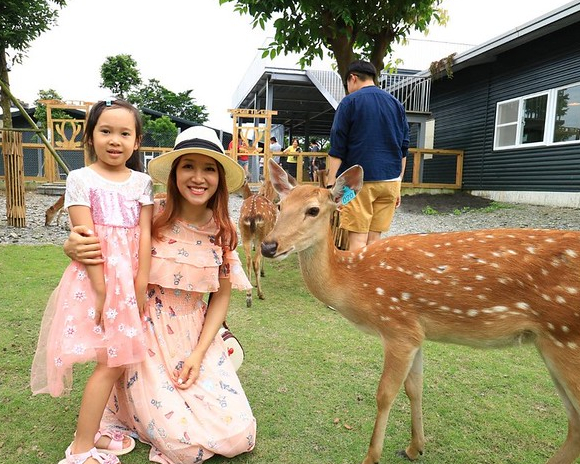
(486, 288)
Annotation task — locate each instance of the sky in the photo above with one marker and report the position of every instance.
(208, 48)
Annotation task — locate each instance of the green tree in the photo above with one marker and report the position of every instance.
(181, 105)
(21, 21)
(349, 29)
(40, 110)
(120, 75)
(162, 130)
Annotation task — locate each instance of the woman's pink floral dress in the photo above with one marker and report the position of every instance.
(213, 416)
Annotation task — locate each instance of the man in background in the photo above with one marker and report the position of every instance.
(370, 128)
(275, 147)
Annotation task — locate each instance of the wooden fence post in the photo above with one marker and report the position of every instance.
(14, 175)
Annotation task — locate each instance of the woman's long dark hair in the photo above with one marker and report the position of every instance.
(134, 162)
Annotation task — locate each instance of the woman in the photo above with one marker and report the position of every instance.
(185, 399)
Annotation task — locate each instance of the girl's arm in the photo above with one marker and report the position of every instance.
(142, 278)
(81, 215)
(214, 318)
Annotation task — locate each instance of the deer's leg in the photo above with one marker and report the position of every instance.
(257, 265)
(247, 243)
(399, 356)
(564, 369)
(414, 391)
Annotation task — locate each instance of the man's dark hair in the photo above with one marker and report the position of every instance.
(361, 67)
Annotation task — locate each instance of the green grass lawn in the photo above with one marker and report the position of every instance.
(310, 377)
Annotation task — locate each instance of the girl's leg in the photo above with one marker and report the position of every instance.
(95, 396)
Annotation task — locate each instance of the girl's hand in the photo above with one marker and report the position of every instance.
(189, 373)
(100, 297)
(141, 294)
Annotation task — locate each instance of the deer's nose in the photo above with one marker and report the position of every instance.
(269, 249)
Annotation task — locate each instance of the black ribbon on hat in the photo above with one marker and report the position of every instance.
(198, 143)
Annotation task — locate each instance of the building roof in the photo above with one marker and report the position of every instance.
(305, 100)
(542, 26)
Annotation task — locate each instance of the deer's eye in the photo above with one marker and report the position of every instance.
(312, 211)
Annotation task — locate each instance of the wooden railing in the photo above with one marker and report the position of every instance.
(426, 168)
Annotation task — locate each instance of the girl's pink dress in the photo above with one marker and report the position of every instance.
(213, 415)
(68, 333)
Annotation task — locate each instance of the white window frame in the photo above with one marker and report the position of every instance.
(548, 126)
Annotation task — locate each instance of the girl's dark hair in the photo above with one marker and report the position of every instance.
(226, 237)
(134, 162)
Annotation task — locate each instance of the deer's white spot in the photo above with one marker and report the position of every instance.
(499, 309)
(571, 253)
(380, 291)
(522, 305)
(472, 312)
(565, 329)
(560, 299)
(571, 290)
(479, 277)
(572, 345)
(550, 326)
(405, 296)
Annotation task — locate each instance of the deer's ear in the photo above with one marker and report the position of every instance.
(280, 179)
(348, 185)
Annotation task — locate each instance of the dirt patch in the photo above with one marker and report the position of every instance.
(442, 203)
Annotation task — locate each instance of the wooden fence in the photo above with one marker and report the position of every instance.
(426, 168)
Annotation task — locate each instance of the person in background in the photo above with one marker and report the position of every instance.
(185, 399)
(99, 318)
(370, 128)
(275, 147)
(315, 162)
(292, 160)
(243, 160)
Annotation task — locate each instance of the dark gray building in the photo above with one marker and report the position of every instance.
(513, 105)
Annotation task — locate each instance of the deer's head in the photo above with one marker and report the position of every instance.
(305, 210)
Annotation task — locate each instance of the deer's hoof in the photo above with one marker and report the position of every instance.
(403, 454)
(249, 302)
(261, 296)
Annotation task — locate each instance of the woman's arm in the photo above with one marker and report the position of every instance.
(83, 246)
(81, 215)
(214, 318)
(142, 277)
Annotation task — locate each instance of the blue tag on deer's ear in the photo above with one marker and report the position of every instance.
(348, 195)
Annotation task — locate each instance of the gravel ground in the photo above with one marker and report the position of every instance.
(459, 211)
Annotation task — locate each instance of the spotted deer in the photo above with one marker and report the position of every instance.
(486, 289)
(257, 217)
(54, 210)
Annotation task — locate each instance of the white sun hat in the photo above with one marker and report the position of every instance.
(197, 140)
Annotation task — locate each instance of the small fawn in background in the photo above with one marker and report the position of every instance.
(55, 210)
(258, 215)
(486, 289)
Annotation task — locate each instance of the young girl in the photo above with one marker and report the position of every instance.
(94, 313)
(185, 398)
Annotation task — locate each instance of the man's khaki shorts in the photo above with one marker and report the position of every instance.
(372, 209)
